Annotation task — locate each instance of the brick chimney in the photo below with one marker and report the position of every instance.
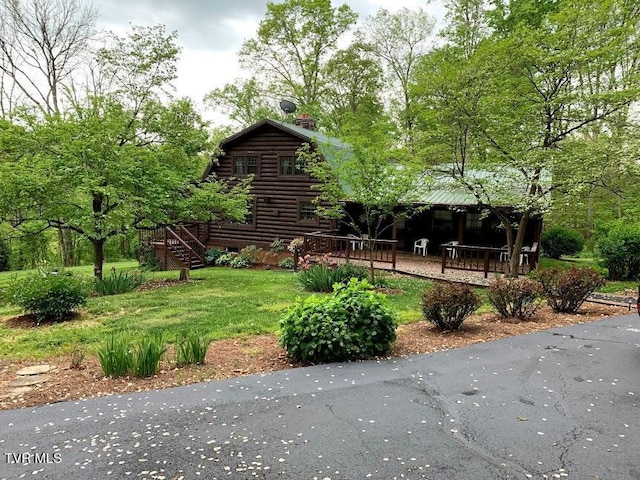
(303, 120)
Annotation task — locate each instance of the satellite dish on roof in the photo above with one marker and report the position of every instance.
(287, 106)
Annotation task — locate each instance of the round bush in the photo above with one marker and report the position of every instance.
(566, 290)
(446, 305)
(49, 296)
(558, 241)
(620, 251)
(515, 297)
(354, 322)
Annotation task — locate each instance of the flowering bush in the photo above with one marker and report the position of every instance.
(515, 297)
(566, 290)
(296, 246)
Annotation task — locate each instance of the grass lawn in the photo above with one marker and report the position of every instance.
(220, 302)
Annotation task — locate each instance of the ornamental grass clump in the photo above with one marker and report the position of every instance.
(354, 322)
(115, 356)
(566, 290)
(117, 283)
(191, 349)
(517, 298)
(49, 295)
(447, 305)
(147, 355)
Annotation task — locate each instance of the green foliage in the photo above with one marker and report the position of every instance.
(147, 355)
(147, 258)
(49, 296)
(240, 261)
(322, 276)
(251, 253)
(519, 297)
(354, 322)
(116, 358)
(566, 289)
(287, 263)
(225, 259)
(212, 255)
(620, 251)
(5, 252)
(558, 241)
(277, 246)
(117, 283)
(192, 348)
(447, 305)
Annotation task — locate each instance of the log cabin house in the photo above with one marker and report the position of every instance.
(282, 202)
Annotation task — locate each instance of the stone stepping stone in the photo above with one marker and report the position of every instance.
(35, 370)
(28, 380)
(16, 392)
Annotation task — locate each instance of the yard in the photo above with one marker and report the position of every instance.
(238, 308)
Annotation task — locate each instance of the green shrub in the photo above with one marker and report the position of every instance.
(147, 258)
(354, 322)
(566, 289)
(212, 255)
(49, 296)
(116, 359)
(346, 271)
(240, 261)
(620, 251)
(287, 263)
(558, 241)
(225, 259)
(515, 297)
(117, 283)
(147, 355)
(192, 349)
(251, 253)
(447, 305)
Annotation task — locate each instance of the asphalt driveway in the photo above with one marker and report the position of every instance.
(564, 403)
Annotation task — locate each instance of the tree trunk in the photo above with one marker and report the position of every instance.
(98, 257)
(67, 247)
(514, 261)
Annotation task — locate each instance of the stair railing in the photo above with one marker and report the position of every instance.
(199, 249)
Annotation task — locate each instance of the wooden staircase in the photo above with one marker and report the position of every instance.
(176, 248)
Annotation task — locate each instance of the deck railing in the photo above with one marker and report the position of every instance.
(351, 248)
(483, 259)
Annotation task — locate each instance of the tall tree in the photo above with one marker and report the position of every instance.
(42, 43)
(399, 40)
(383, 190)
(294, 41)
(126, 159)
(354, 92)
(523, 107)
(244, 102)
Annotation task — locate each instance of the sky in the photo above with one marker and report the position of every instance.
(210, 32)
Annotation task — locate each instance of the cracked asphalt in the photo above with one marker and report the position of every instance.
(564, 403)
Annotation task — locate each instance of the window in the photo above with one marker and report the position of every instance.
(245, 165)
(442, 221)
(307, 212)
(290, 165)
(473, 221)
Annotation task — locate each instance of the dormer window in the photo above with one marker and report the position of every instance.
(245, 165)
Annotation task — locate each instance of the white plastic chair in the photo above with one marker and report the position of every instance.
(451, 250)
(504, 256)
(356, 242)
(421, 245)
